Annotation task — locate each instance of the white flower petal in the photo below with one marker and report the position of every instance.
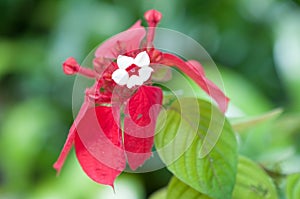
(124, 61)
(120, 76)
(142, 59)
(134, 80)
(145, 73)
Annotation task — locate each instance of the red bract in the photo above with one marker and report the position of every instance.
(139, 125)
(123, 102)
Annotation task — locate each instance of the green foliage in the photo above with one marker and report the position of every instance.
(245, 98)
(246, 123)
(160, 194)
(179, 190)
(23, 137)
(293, 186)
(180, 141)
(252, 182)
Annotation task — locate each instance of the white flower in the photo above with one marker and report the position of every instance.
(121, 76)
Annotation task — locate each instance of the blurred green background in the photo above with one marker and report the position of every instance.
(256, 45)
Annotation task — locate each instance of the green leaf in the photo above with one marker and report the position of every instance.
(293, 186)
(160, 194)
(198, 146)
(252, 182)
(246, 123)
(180, 190)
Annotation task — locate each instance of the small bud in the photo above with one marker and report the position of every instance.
(153, 17)
(70, 66)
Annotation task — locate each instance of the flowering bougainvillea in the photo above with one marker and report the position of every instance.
(116, 123)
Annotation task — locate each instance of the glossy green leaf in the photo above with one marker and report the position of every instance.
(293, 186)
(246, 123)
(252, 182)
(198, 146)
(180, 190)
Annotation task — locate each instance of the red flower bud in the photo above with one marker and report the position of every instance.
(70, 66)
(153, 17)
